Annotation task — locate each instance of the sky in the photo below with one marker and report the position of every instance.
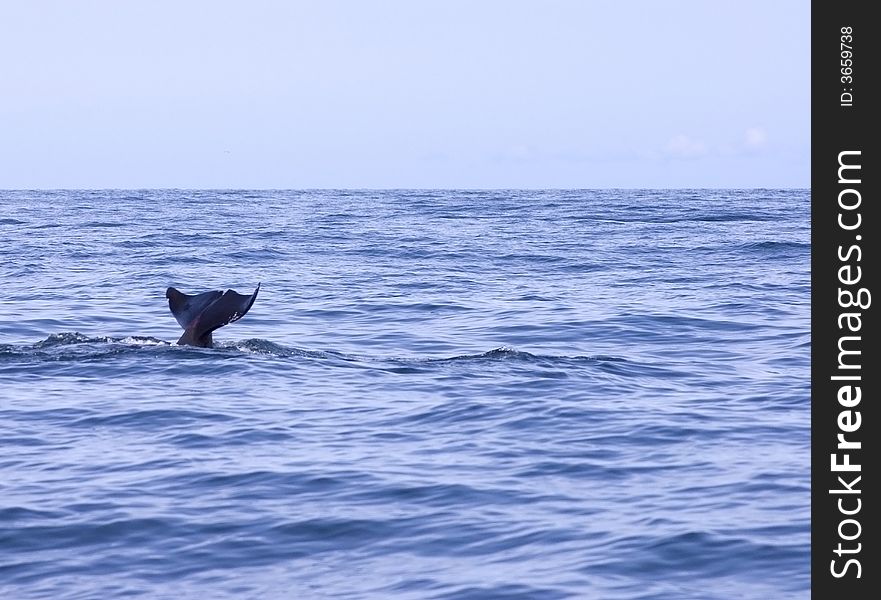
(404, 94)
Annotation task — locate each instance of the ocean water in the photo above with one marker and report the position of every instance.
(437, 394)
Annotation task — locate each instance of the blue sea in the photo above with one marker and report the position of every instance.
(438, 394)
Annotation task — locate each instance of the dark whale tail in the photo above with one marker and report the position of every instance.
(200, 314)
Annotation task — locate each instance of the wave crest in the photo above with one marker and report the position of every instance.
(77, 346)
(70, 338)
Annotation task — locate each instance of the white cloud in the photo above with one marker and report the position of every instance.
(755, 137)
(521, 151)
(682, 146)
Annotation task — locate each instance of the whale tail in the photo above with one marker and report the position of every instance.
(200, 314)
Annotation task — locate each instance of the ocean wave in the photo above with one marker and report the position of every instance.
(74, 347)
(505, 353)
(70, 338)
(711, 554)
(534, 400)
(95, 346)
(774, 248)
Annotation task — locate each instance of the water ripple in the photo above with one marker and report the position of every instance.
(439, 394)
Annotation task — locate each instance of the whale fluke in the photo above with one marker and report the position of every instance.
(200, 314)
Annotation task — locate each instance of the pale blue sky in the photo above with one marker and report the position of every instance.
(404, 93)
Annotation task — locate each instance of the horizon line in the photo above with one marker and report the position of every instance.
(387, 189)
